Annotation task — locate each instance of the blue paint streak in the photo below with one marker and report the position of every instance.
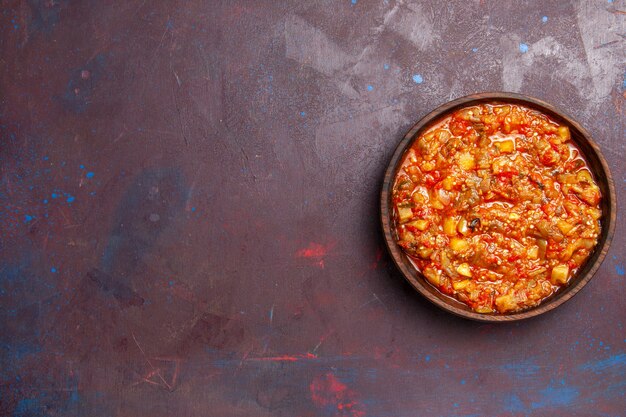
(45, 15)
(27, 407)
(417, 79)
(556, 397)
(18, 351)
(90, 175)
(28, 218)
(53, 270)
(354, 1)
(370, 88)
(521, 369)
(514, 404)
(70, 199)
(544, 19)
(523, 48)
(54, 195)
(82, 166)
(474, 49)
(129, 243)
(302, 113)
(427, 358)
(611, 363)
(619, 269)
(193, 209)
(74, 397)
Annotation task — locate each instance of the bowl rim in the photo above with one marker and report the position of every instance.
(415, 277)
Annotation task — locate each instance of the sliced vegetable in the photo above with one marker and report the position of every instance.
(590, 194)
(563, 133)
(448, 183)
(584, 176)
(577, 244)
(459, 245)
(506, 146)
(428, 166)
(464, 269)
(483, 309)
(462, 227)
(449, 226)
(564, 226)
(433, 276)
(559, 274)
(405, 214)
(542, 244)
(466, 161)
(425, 253)
(437, 205)
(459, 285)
(506, 303)
(502, 165)
(444, 196)
(420, 224)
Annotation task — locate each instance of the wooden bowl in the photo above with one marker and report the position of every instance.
(596, 162)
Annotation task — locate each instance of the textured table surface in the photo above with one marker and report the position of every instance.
(189, 208)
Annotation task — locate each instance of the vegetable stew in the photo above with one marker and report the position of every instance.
(496, 207)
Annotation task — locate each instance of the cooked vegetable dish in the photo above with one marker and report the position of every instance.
(496, 207)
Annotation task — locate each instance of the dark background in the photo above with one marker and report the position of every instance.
(189, 208)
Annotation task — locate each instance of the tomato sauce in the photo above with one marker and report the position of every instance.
(496, 207)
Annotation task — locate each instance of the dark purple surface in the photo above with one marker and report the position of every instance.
(189, 209)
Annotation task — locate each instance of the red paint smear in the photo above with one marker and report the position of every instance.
(314, 250)
(327, 390)
(379, 256)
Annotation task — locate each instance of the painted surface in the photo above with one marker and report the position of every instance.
(188, 209)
